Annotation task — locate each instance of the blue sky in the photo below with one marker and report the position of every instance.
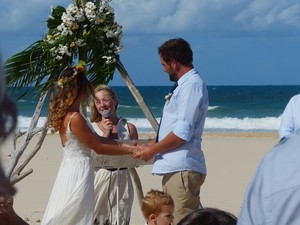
(235, 42)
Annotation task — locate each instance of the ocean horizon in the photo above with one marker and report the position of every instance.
(231, 108)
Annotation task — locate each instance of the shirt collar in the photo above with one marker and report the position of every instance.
(186, 76)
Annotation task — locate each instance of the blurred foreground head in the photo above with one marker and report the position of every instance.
(8, 110)
(209, 216)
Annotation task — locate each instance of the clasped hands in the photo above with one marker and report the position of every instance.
(143, 152)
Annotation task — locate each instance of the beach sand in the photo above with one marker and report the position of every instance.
(231, 161)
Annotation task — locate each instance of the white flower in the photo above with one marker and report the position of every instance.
(72, 9)
(109, 59)
(90, 6)
(50, 39)
(80, 42)
(65, 32)
(60, 27)
(67, 18)
(63, 50)
(80, 16)
(58, 57)
(168, 96)
(110, 34)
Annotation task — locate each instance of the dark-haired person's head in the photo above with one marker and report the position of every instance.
(209, 216)
(177, 49)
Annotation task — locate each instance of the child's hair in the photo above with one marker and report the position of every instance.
(153, 201)
(209, 216)
(95, 115)
(72, 87)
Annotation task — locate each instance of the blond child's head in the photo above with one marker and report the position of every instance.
(158, 208)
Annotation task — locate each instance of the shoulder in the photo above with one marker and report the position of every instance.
(75, 119)
(193, 87)
(124, 123)
(131, 126)
(283, 153)
(132, 131)
(295, 98)
(191, 81)
(294, 102)
(74, 116)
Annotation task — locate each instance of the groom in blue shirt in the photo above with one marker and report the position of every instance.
(177, 150)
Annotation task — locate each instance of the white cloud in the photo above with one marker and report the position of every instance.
(268, 14)
(25, 15)
(167, 16)
(291, 15)
(218, 16)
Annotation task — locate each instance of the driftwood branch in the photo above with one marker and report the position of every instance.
(17, 153)
(136, 94)
(16, 179)
(17, 173)
(139, 99)
(138, 185)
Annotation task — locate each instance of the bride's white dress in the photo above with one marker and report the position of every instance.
(72, 199)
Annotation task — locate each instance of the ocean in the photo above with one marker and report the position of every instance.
(231, 108)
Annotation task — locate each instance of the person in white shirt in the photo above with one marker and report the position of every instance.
(290, 118)
(273, 195)
(178, 154)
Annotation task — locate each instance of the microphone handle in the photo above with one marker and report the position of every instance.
(110, 132)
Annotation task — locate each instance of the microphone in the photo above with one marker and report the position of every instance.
(106, 115)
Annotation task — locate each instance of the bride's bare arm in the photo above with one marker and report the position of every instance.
(99, 144)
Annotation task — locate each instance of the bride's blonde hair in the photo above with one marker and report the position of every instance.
(72, 87)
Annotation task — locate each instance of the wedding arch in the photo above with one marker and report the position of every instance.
(84, 31)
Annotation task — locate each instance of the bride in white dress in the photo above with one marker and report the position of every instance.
(72, 199)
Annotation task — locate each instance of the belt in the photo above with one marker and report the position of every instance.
(115, 169)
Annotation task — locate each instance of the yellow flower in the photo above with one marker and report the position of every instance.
(80, 68)
(73, 26)
(61, 82)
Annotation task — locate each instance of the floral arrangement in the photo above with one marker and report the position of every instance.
(77, 27)
(85, 30)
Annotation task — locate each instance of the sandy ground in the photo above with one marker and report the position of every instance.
(231, 161)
